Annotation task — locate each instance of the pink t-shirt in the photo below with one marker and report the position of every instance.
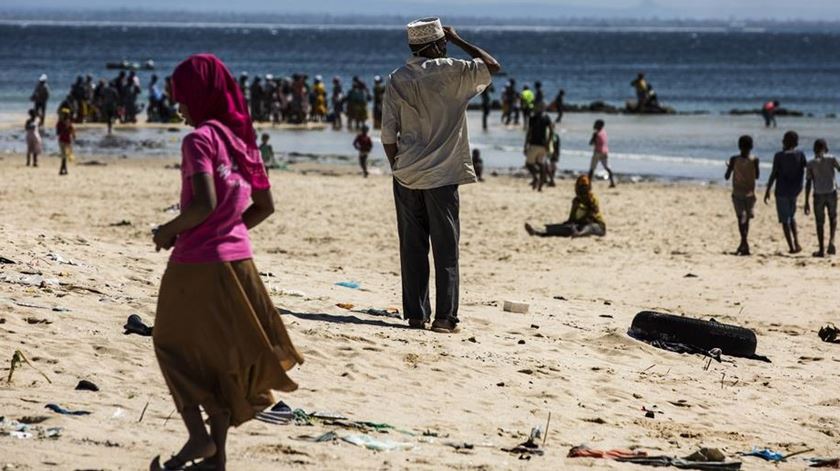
(222, 237)
(601, 142)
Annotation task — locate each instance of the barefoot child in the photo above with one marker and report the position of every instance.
(363, 144)
(266, 152)
(33, 139)
(218, 339)
(821, 172)
(788, 172)
(66, 135)
(743, 169)
(600, 151)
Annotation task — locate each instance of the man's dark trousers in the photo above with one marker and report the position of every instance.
(424, 215)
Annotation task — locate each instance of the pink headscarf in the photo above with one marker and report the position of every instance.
(206, 87)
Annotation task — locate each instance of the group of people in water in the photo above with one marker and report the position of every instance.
(296, 100)
(109, 100)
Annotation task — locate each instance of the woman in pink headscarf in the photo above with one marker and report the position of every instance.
(219, 341)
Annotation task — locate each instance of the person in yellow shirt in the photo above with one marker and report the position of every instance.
(526, 102)
(585, 217)
(319, 111)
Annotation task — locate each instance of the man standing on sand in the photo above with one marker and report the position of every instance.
(424, 134)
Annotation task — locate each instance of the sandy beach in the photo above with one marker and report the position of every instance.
(88, 236)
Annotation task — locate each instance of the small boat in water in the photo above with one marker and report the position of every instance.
(126, 65)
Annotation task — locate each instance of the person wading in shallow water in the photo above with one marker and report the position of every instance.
(424, 133)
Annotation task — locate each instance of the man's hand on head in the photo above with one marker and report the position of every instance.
(450, 34)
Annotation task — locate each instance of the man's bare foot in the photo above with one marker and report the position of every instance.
(831, 249)
(796, 249)
(818, 254)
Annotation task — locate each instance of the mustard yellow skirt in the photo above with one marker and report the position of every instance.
(219, 341)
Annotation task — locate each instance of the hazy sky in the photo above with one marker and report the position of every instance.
(743, 9)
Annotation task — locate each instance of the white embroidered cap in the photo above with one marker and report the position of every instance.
(424, 31)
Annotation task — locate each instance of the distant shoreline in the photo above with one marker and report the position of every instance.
(580, 21)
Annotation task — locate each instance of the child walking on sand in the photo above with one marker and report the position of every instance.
(66, 136)
(218, 339)
(788, 172)
(363, 144)
(743, 169)
(600, 151)
(33, 139)
(821, 174)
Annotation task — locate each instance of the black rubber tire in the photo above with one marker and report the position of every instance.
(731, 339)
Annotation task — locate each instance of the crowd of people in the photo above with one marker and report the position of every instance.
(109, 100)
(296, 100)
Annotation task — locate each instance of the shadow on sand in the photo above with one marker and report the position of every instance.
(339, 319)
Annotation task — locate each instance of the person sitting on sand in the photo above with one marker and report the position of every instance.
(33, 138)
(218, 339)
(743, 169)
(788, 172)
(585, 218)
(821, 174)
(425, 137)
(600, 151)
(66, 135)
(363, 144)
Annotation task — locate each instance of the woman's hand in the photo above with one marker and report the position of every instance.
(163, 238)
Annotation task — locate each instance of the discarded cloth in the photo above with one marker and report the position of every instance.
(831, 463)
(829, 333)
(529, 447)
(678, 347)
(21, 430)
(371, 443)
(765, 454)
(135, 325)
(389, 312)
(681, 463)
(60, 410)
(85, 385)
(584, 451)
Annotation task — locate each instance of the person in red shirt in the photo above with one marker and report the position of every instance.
(363, 144)
(66, 135)
(769, 113)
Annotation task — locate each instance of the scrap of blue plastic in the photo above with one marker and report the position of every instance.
(348, 284)
(766, 454)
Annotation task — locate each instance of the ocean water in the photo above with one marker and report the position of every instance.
(692, 70)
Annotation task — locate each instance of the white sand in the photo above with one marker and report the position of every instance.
(580, 365)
